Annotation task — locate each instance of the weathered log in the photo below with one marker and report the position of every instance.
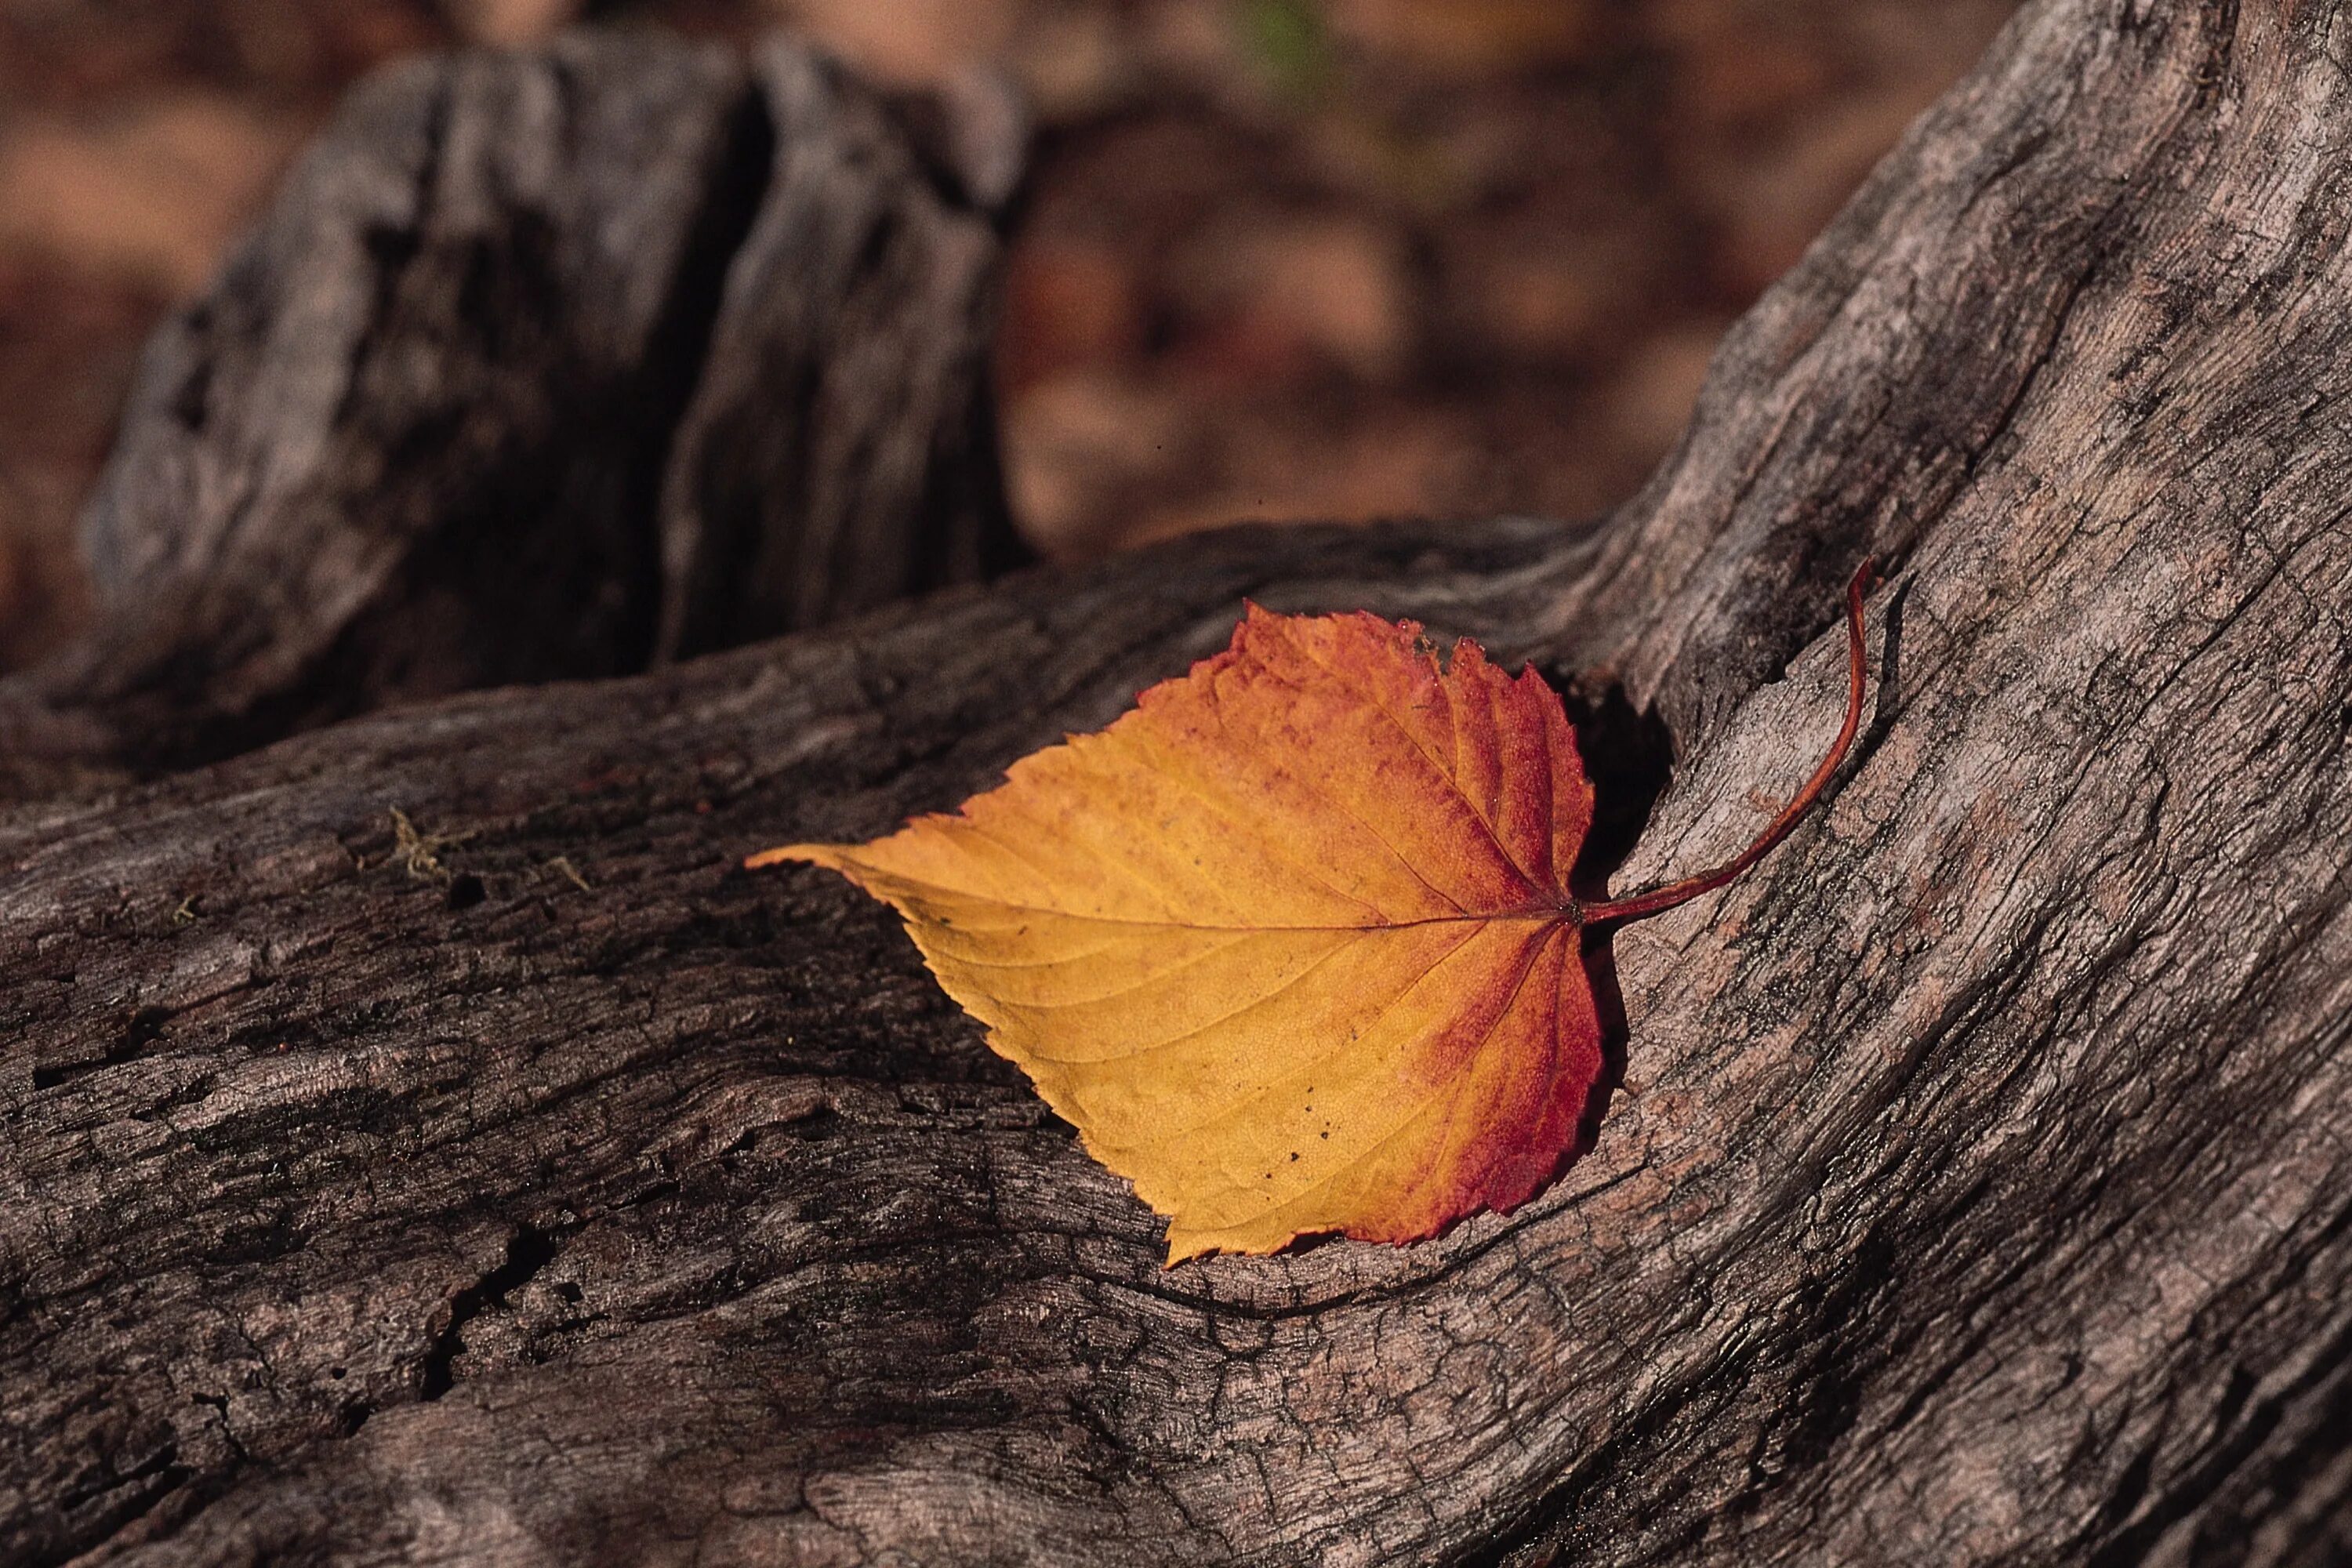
(543, 362)
(533, 1186)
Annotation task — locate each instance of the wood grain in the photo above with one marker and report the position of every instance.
(1975, 1192)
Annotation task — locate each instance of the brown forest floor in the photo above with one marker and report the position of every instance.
(1284, 257)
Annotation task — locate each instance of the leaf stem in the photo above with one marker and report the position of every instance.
(1657, 901)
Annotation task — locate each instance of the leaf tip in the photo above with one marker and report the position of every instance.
(1185, 1244)
(1184, 1248)
(814, 854)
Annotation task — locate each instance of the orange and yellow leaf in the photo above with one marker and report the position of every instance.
(1290, 943)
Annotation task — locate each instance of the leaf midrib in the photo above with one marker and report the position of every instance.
(1561, 914)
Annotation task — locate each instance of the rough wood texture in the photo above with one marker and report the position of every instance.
(465, 411)
(861, 467)
(1975, 1192)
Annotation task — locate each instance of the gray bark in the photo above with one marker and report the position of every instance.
(1975, 1191)
(546, 364)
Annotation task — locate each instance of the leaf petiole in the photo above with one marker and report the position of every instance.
(1657, 901)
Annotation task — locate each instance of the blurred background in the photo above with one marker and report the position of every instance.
(1282, 258)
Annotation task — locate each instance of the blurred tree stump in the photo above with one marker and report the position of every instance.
(513, 1180)
(546, 366)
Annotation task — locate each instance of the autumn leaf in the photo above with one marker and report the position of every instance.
(1291, 944)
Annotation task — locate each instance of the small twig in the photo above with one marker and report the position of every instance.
(1657, 901)
(419, 853)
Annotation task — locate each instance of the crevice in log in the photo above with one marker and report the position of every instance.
(145, 1027)
(1629, 755)
(530, 1252)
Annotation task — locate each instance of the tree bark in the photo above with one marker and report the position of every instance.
(518, 1181)
(544, 366)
